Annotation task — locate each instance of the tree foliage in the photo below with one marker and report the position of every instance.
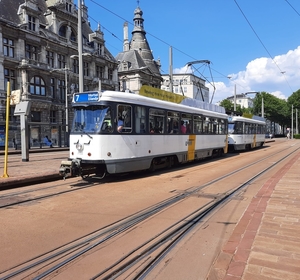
(275, 109)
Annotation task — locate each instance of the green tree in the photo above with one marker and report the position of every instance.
(229, 106)
(275, 109)
(294, 102)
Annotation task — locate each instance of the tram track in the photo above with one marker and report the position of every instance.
(42, 266)
(17, 197)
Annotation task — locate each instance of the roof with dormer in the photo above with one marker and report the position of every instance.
(139, 53)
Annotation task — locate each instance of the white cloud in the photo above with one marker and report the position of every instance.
(183, 70)
(280, 77)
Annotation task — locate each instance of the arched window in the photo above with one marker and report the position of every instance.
(37, 86)
(67, 33)
(63, 31)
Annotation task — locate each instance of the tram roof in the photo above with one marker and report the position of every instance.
(138, 99)
(243, 119)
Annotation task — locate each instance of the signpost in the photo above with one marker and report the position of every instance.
(22, 109)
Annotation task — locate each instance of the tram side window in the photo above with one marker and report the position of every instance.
(106, 125)
(198, 124)
(238, 128)
(207, 125)
(173, 122)
(215, 126)
(124, 119)
(140, 119)
(246, 128)
(259, 129)
(222, 126)
(156, 121)
(186, 123)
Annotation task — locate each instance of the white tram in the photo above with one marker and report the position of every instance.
(118, 132)
(245, 133)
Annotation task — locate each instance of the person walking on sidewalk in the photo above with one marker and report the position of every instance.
(48, 142)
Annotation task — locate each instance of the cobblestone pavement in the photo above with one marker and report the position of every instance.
(42, 163)
(265, 244)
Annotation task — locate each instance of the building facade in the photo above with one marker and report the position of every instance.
(188, 85)
(242, 99)
(137, 66)
(39, 57)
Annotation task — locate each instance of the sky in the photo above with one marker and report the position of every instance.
(251, 45)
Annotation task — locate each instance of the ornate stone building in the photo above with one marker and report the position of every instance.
(137, 66)
(39, 56)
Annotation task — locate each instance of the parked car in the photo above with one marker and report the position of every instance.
(269, 135)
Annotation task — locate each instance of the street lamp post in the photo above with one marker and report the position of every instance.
(66, 70)
(80, 47)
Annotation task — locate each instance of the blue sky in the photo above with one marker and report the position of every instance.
(256, 43)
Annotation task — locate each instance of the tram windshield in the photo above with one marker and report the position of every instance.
(235, 128)
(92, 119)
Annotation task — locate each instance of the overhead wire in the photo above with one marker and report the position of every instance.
(184, 53)
(292, 7)
(282, 72)
(164, 42)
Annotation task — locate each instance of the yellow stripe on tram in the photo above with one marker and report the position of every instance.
(254, 140)
(225, 150)
(191, 147)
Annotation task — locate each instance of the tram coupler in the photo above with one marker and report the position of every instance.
(69, 168)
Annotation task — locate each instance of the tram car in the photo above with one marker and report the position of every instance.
(120, 132)
(245, 133)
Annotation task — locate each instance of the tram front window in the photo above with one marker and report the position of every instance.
(92, 119)
(231, 128)
(235, 128)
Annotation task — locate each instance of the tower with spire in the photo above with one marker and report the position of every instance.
(137, 66)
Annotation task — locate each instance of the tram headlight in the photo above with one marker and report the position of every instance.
(79, 147)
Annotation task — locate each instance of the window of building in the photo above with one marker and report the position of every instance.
(8, 47)
(37, 86)
(63, 31)
(76, 66)
(52, 87)
(73, 36)
(31, 23)
(68, 7)
(61, 59)
(31, 52)
(35, 116)
(99, 72)
(9, 76)
(53, 116)
(110, 74)
(99, 49)
(50, 58)
(62, 89)
(85, 68)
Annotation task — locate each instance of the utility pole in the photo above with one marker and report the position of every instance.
(80, 47)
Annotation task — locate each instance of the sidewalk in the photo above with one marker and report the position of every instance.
(265, 243)
(43, 163)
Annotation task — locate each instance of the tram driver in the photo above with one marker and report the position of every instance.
(120, 124)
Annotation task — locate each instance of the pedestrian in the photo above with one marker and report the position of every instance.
(48, 142)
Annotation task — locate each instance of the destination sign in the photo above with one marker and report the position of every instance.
(92, 96)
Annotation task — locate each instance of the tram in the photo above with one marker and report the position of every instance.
(245, 133)
(120, 132)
